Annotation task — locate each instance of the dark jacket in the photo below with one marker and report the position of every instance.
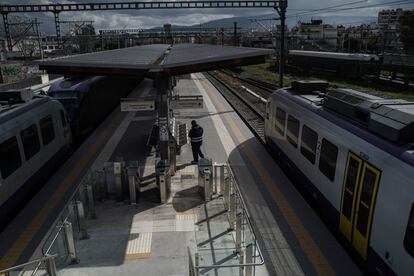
(196, 134)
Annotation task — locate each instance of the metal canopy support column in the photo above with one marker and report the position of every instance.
(57, 26)
(162, 85)
(281, 10)
(7, 31)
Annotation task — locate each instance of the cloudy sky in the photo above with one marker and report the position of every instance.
(297, 9)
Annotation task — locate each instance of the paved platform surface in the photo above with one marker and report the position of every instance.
(151, 239)
(293, 239)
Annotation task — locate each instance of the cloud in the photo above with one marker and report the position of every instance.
(152, 18)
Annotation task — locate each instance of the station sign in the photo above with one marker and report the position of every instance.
(163, 124)
(132, 105)
(164, 133)
(186, 102)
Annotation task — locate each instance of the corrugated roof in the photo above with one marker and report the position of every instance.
(155, 59)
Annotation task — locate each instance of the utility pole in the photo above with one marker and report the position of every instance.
(235, 34)
(7, 32)
(39, 40)
(281, 10)
(57, 27)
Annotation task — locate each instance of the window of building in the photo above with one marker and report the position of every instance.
(309, 142)
(30, 140)
(280, 121)
(292, 133)
(327, 161)
(409, 233)
(47, 130)
(10, 159)
(62, 117)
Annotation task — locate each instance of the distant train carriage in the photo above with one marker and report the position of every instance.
(355, 154)
(88, 100)
(34, 138)
(346, 65)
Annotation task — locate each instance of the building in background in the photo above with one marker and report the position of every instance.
(359, 39)
(389, 28)
(315, 35)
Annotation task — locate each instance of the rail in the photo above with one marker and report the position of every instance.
(225, 185)
(253, 114)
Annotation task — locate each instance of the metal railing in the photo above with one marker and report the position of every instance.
(45, 264)
(246, 245)
(58, 249)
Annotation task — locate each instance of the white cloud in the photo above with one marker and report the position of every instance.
(152, 18)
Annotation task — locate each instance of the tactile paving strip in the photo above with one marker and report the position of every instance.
(139, 246)
(188, 172)
(185, 221)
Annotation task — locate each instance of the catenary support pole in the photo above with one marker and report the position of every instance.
(7, 32)
(235, 34)
(57, 26)
(282, 13)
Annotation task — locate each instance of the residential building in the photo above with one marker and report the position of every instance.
(389, 26)
(316, 31)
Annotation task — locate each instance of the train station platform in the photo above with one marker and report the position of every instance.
(151, 238)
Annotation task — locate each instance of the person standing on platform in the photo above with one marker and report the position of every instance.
(196, 136)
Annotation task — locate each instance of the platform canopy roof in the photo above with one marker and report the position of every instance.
(155, 60)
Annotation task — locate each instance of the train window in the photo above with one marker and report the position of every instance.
(10, 159)
(327, 162)
(280, 121)
(47, 129)
(30, 139)
(62, 117)
(409, 233)
(292, 130)
(309, 141)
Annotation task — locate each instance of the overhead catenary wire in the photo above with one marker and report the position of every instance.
(343, 8)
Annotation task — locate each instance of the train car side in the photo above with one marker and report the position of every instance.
(346, 65)
(33, 140)
(89, 100)
(367, 218)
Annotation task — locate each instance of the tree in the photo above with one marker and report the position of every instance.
(407, 31)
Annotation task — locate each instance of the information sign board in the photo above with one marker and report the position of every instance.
(132, 105)
(186, 102)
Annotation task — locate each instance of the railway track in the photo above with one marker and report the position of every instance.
(261, 87)
(249, 107)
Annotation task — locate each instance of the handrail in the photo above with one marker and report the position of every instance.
(61, 226)
(247, 217)
(40, 260)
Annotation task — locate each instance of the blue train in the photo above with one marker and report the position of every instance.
(34, 139)
(88, 100)
(36, 134)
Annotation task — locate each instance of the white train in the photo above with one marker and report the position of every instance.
(34, 137)
(355, 153)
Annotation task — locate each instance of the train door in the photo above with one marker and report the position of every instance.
(358, 200)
